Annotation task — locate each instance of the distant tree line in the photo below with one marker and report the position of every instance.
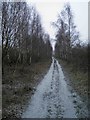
(23, 38)
(68, 45)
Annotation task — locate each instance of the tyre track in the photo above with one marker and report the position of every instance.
(52, 99)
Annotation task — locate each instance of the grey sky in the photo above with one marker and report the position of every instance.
(49, 9)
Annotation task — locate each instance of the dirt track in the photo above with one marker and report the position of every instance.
(54, 99)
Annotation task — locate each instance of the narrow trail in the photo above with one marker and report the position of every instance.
(53, 99)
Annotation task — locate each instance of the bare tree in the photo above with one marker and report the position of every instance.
(22, 33)
(67, 36)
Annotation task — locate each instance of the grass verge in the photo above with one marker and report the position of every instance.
(78, 79)
(18, 87)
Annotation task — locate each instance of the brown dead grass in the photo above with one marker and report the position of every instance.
(18, 86)
(77, 78)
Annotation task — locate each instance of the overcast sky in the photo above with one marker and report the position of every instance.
(49, 9)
